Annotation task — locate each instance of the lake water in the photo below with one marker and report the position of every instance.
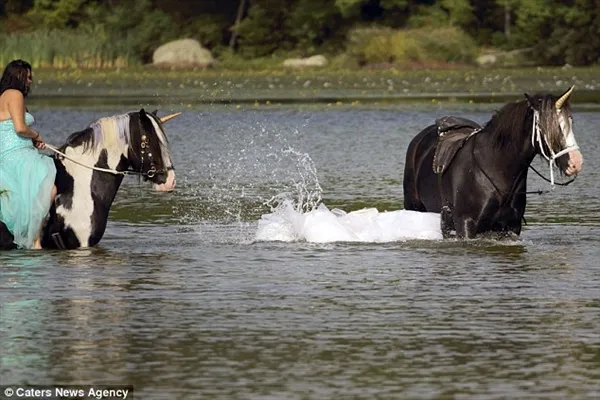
(181, 300)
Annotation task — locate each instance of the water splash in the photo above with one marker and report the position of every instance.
(249, 170)
(306, 195)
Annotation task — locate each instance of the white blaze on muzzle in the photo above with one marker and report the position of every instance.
(169, 185)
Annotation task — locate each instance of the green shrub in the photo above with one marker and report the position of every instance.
(261, 31)
(436, 45)
(370, 45)
(406, 48)
(448, 44)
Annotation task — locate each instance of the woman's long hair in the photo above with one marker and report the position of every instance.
(15, 77)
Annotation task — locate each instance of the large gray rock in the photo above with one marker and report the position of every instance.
(182, 53)
(314, 61)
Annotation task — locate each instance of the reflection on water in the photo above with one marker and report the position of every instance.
(181, 301)
(298, 322)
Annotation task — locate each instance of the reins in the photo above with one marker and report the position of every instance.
(549, 181)
(539, 192)
(151, 172)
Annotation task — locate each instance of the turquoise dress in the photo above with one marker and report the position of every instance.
(26, 179)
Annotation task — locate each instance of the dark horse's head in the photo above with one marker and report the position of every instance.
(552, 131)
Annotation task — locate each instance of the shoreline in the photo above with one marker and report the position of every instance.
(325, 86)
(584, 99)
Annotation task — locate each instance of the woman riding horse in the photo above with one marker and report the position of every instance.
(477, 178)
(90, 167)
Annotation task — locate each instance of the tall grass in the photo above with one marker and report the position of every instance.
(422, 45)
(65, 49)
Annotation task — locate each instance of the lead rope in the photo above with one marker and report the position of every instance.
(110, 171)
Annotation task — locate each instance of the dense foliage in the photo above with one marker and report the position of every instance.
(369, 31)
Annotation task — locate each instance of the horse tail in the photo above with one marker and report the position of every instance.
(412, 165)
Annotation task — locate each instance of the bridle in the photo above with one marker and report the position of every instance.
(536, 138)
(152, 171)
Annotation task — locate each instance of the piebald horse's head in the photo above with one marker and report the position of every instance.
(552, 133)
(134, 141)
(149, 151)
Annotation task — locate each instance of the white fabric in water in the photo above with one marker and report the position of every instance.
(367, 225)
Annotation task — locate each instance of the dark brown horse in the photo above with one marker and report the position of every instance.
(477, 177)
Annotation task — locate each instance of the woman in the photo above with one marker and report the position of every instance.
(26, 177)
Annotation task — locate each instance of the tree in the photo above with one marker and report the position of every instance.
(56, 13)
(238, 18)
(560, 32)
(14, 6)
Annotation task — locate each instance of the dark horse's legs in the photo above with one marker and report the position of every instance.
(447, 221)
(466, 228)
(472, 219)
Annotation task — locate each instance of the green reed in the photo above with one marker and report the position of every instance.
(65, 49)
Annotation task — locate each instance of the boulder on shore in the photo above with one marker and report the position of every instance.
(182, 53)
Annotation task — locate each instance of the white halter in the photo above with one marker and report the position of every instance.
(537, 135)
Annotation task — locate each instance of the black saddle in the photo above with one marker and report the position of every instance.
(453, 132)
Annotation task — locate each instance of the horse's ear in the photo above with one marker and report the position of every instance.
(529, 100)
(142, 112)
(155, 112)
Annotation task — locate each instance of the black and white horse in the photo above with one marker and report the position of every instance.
(90, 167)
(476, 177)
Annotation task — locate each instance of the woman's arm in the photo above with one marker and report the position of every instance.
(16, 109)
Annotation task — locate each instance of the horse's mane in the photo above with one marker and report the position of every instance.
(507, 124)
(511, 122)
(107, 132)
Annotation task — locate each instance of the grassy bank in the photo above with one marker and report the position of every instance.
(88, 66)
(60, 49)
(96, 46)
(276, 85)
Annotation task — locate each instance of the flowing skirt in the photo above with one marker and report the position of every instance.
(26, 179)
